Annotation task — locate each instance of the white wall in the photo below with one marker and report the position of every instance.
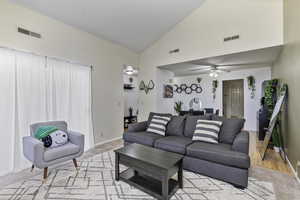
(200, 35)
(63, 41)
(251, 106)
(163, 77)
(131, 96)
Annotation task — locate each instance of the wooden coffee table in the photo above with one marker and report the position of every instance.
(150, 170)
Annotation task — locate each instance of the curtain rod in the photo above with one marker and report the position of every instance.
(51, 57)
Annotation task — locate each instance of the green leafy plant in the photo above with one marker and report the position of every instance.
(178, 106)
(251, 85)
(271, 96)
(214, 88)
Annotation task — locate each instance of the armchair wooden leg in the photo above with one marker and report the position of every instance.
(75, 163)
(45, 173)
(32, 167)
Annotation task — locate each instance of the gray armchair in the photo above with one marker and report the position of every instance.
(42, 157)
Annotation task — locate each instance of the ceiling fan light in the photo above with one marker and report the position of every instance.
(130, 70)
(211, 74)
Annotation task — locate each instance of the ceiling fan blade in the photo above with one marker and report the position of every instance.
(223, 70)
(241, 64)
(198, 70)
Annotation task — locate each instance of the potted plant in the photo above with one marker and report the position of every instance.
(178, 107)
(251, 85)
(214, 86)
(130, 111)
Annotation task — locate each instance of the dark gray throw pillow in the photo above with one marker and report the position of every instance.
(230, 128)
(176, 126)
(156, 114)
(190, 124)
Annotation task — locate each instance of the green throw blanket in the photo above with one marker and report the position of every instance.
(44, 131)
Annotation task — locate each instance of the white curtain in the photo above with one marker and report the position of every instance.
(7, 110)
(35, 89)
(31, 99)
(71, 96)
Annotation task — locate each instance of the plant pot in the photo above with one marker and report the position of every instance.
(276, 149)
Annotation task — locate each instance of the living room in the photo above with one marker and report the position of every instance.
(63, 68)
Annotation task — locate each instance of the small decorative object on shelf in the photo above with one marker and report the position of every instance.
(251, 85)
(147, 88)
(214, 88)
(130, 79)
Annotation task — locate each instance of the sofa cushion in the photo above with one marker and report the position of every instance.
(176, 126)
(141, 137)
(158, 125)
(207, 131)
(157, 114)
(230, 128)
(218, 153)
(176, 144)
(190, 124)
(61, 151)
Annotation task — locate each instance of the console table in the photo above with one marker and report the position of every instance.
(129, 120)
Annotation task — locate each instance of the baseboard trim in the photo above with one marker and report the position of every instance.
(293, 170)
(107, 141)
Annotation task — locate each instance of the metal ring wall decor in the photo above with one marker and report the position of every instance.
(188, 89)
(183, 86)
(194, 87)
(178, 90)
(199, 89)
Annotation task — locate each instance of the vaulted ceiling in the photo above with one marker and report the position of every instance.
(135, 24)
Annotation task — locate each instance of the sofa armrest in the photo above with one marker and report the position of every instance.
(241, 142)
(77, 139)
(33, 150)
(136, 127)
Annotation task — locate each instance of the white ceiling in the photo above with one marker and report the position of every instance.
(135, 24)
(238, 61)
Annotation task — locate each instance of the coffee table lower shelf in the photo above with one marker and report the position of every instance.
(148, 184)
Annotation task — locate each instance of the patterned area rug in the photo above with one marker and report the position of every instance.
(95, 181)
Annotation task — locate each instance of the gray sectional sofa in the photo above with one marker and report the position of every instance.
(227, 161)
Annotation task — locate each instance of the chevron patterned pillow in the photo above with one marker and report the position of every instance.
(207, 131)
(158, 125)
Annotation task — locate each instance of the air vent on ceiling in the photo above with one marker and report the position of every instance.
(235, 37)
(29, 33)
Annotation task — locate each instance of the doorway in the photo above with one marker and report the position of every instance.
(233, 98)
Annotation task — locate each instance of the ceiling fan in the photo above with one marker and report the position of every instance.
(212, 70)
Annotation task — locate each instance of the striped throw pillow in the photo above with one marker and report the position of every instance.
(158, 125)
(207, 131)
